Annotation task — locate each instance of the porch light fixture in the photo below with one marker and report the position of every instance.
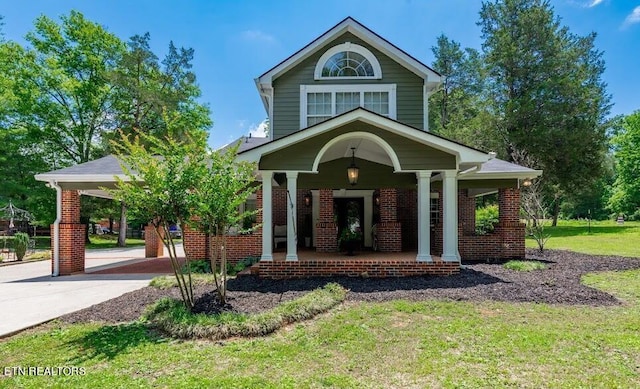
(526, 182)
(353, 171)
(307, 199)
(376, 199)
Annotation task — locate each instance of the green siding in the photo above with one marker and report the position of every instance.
(286, 106)
(333, 174)
(412, 155)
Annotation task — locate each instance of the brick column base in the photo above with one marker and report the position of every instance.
(72, 237)
(390, 237)
(512, 239)
(327, 239)
(153, 246)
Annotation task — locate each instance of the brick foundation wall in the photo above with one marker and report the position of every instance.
(354, 267)
(240, 246)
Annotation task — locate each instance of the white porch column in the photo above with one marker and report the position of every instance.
(450, 216)
(292, 216)
(424, 216)
(267, 216)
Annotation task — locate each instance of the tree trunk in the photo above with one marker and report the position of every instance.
(556, 211)
(122, 234)
(111, 225)
(86, 220)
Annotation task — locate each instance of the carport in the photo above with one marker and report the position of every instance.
(67, 232)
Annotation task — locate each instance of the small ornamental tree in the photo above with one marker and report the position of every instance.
(224, 185)
(160, 177)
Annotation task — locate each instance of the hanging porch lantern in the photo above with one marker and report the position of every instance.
(353, 171)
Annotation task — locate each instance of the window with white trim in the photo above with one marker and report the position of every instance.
(321, 102)
(348, 61)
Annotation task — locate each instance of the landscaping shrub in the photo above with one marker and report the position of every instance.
(242, 264)
(525, 265)
(171, 316)
(487, 218)
(20, 244)
(201, 266)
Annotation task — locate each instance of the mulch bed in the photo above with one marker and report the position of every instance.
(558, 284)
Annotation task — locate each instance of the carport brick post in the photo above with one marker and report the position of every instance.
(72, 235)
(153, 247)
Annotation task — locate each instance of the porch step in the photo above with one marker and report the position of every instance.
(253, 270)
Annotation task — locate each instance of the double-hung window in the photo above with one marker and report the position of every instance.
(321, 102)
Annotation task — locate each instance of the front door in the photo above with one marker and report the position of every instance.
(349, 211)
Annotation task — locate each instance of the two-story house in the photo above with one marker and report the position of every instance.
(349, 148)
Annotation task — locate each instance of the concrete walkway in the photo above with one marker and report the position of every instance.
(30, 296)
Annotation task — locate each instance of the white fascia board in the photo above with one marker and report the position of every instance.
(502, 175)
(361, 32)
(81, 177)
(463, 154)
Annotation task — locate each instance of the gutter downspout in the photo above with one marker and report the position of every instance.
(56, 230)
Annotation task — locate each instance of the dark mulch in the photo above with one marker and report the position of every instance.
(558, 284)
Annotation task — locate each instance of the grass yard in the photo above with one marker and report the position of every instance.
(395, 344)
(605, 238)
(110, 241)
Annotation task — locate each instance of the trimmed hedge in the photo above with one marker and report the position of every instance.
(172, 317)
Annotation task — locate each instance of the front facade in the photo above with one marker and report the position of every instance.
(349, 150)
(350, 98)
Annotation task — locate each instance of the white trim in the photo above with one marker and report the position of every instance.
(292, 216)
(424, 216)
(56, 230)
(358, 135)
(267, 216)
(367, 223)
(61, 178)
(348, 46)
(333, 88)
(450, 216)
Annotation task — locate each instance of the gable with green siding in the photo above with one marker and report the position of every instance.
(411, 154)
(286, 89)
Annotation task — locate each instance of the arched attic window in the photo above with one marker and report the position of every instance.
(348, 61)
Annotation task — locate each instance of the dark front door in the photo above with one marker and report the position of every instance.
(349, 210)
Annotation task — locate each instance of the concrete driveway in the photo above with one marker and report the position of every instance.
(30, 296)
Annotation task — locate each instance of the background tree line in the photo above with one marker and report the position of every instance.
(66, 93)
(534, 94)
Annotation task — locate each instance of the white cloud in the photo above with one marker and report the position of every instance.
(593, 3)
(257, 36)
(632, 18)
(258, 131)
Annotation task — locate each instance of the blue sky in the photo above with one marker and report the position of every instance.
(236, 41)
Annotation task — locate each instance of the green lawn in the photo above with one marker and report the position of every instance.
(396, 344)
(605, 237)
(97, 242)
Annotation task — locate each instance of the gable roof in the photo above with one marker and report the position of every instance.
(464, 154)
(356, 28)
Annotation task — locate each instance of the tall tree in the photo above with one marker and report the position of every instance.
(625, 198)
(459, 110)
(548, 96)
(67, 68)
(148, 92)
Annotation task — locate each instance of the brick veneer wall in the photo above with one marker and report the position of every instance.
(72, 235)
(354, 267)
(327, 240)
(389, 229)
(153, 246)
